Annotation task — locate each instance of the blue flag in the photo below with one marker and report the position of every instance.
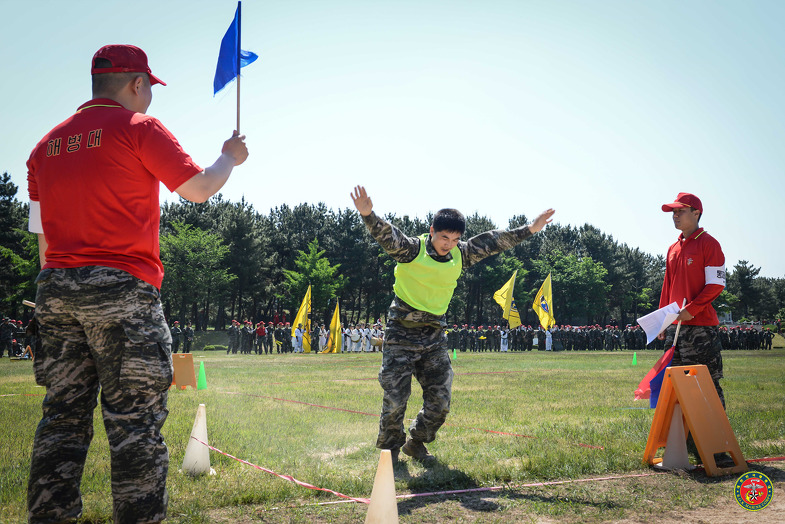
(231, 58)
(656, 383)
(652, 383)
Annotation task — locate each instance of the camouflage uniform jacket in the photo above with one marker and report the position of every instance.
(404, 249)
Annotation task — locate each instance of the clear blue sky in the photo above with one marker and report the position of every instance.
(603, 110)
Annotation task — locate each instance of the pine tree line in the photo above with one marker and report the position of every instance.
(225, 260)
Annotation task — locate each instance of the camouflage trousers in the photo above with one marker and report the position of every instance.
(421, 351)
(102, 330)
(698, 345)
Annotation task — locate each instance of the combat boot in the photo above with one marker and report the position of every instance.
(417, 450)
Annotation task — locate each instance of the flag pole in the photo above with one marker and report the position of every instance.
(678, 326)
(239, 32)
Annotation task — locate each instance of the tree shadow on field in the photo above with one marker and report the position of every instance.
(439, 477)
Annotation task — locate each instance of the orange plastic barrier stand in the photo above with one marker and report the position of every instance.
(184, 374)
(704, 417)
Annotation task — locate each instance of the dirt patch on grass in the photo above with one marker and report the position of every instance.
(329, 455)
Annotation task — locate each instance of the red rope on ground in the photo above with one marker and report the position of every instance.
(768, 459)
(285, 477)
(492, 372)
(375, 378)
(519, 435)
(23, 394)
(321, 381)
(411, 495)
(376, 415)
(303, 403)
(537, 484)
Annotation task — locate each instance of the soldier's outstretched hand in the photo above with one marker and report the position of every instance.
(542, 220)
(362, 201)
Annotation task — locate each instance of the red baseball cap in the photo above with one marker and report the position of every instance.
(684, 200)
(124, 59)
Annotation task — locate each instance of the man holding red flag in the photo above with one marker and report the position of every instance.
(695, 272)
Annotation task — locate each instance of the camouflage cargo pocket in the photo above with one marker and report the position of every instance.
(39, 368)
(146, 362)
(40, 360)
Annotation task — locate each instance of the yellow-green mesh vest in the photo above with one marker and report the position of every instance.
(425, 284)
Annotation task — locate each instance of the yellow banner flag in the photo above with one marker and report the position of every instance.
(304, 317)
(543, 304)
(335, 339)
(503, 297)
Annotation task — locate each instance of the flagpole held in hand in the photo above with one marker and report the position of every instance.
(678, 326)
(649, 387)
(656, 383)
(237, 58)
(231, 58)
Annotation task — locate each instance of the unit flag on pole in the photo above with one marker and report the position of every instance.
(543, 304)
(504, 298)
(335, 339)
(304, 317)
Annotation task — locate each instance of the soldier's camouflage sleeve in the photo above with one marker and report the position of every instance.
(400, 247)
(491, 243)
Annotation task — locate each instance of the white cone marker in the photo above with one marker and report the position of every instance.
(383, 508)
(197, 455)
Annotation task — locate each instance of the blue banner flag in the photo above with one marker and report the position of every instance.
(652, 383)
(231, 58)
(656, 383)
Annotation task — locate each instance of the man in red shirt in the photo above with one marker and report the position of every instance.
(93, 183)
(695, 271)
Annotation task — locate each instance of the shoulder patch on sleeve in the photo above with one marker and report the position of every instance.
(715, 275)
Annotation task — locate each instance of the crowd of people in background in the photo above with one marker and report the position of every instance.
(269, 338)
(584, 338)
(16, 339)
(266, 339)
(362, 337)
(558, 338)
(739, 337)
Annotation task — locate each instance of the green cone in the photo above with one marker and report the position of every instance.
(454, 354)
(201, 383)
(635, 359)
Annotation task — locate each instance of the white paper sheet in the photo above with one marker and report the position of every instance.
(655, 322)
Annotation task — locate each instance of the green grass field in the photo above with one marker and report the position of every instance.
(571, 413)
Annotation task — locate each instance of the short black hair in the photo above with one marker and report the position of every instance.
(449, 220)
(110, 83)
(700, 213)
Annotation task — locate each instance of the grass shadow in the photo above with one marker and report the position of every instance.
(437, 476)
(699, 474)
(487, 501)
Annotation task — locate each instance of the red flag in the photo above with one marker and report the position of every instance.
(644, 388)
